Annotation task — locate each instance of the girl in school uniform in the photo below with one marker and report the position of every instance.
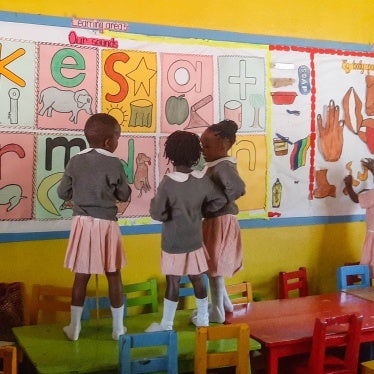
(221, 229)
(94, 180)
(366, 200)
(181, 198)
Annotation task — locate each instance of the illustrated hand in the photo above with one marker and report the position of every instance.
(369, 163)
(331, 134)
(348, 179)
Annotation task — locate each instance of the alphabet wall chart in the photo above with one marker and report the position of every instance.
(305, 117)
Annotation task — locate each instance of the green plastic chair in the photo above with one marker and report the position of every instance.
(142, 294)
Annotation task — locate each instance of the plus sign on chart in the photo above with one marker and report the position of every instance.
(242, 80)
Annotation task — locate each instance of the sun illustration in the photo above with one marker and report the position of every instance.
(119, 114)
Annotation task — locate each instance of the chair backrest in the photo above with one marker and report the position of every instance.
(98, 307)
(142, 294)
(336, 331)
(361, 271)
(186, 289)
(133, 360)
(205, 360)
(240, 293)
(49, 299)
(352, 279)
(8, 356)
(293, 280)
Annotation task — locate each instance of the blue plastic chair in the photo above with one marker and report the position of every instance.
(362, 271)
(145, 352)
(90, 304)
(187, 288)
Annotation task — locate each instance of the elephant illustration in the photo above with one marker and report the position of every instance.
(63, 101)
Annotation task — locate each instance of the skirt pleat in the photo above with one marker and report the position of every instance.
(95, 246)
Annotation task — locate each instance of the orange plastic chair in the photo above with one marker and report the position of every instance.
(240, 293)
(330, 332)
(50, 299)
(204, 359)
(8, 354)
(293, 280)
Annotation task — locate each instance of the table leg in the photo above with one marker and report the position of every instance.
(271, 361)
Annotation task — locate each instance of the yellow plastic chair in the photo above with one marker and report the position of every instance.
(50, 299)
(367, 367)
(206, 359)
(8, 355)
(142, 294)
(240, 293)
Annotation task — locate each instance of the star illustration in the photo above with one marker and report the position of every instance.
(141, 76)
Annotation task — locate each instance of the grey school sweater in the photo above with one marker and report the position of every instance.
(223, 172)
(94, 180)
(179, 203)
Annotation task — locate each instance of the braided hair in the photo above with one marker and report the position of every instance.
(225, 129)
(182, 148)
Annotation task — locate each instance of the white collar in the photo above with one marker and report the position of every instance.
(98, 150)
(215, 162)
(177, 176)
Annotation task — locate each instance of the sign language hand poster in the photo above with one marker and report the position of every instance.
(305, 118)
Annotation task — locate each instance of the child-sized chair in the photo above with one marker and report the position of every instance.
(204, 359)
(8, 356)
(330, 332)
(367, 367)
(98, 305)
(240, 293)
(50, 299)
(141, 353)
(360, 271)
(186, 290)
(293, 280)
(142, 294)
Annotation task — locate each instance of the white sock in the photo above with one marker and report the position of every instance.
(170, 308)
(118, 328)
(167, 319)
(72, 331)
(227, 304)
(202, 316)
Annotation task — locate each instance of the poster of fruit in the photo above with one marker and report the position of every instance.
(305, 119)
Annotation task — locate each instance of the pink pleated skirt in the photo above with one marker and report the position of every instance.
(367, 255)
(95, 246)
(191, 263)
(223, 243)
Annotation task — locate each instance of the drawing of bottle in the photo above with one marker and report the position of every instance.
(13, 113)
(276, 194)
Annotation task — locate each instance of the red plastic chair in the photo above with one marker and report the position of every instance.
(339, 331)
(293, 280)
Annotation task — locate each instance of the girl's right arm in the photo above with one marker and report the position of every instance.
(348, 185)
(159, 208)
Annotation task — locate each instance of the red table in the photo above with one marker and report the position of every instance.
(285, 327)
